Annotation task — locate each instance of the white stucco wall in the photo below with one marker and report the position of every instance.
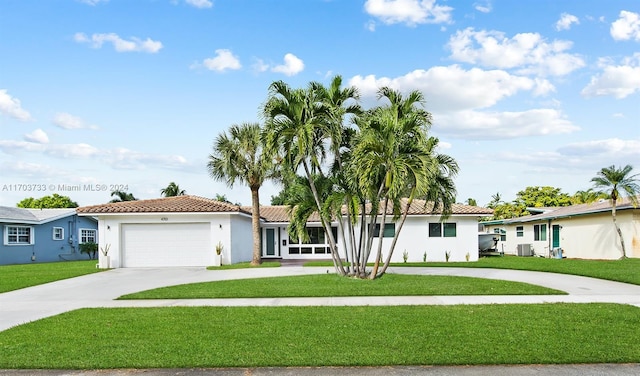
(241, 241)
(110, 226)
(414, 238)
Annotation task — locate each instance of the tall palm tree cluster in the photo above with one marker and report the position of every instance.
(348, 165)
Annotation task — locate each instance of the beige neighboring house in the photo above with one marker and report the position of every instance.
(184, 231)
(583, 231)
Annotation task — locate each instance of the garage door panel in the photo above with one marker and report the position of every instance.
(166, 244)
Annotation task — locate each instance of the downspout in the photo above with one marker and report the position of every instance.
(71, 226)
(549, 235)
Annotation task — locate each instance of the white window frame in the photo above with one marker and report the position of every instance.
(57, 231)
(540, 232)
(441, 233)
(84, 239)
(17, 235)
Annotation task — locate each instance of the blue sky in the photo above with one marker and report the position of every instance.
(102, 94)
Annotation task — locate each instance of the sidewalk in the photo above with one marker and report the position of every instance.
(100, 290)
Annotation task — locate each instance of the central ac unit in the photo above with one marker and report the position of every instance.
(525, 250)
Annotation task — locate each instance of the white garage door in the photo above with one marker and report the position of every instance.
(166, 244)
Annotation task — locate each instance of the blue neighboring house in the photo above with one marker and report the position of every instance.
(44, 235)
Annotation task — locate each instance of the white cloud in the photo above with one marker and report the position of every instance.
(202, 4)
(68, 121)
(566, 20)
(125, 159)
(224, 60)
(120, 45)
(38, 136)
(475, 125)
(260, 66)
(93, 2)
(452, 88)
(11, 106)
(410, 12)
(626, 27)
(484, 7)
(13, 147)
(81, 151)
(618, 81)
(455, 95)
(21, 168)
(529, 53)
(608, 147)
(292, 65)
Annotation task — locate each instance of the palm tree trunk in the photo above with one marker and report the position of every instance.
(615, 224)
(376, 263)
(397, 234)
(255, 224)
(337, 263)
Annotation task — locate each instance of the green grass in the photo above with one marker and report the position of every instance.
(627, 270)
(332, 285)
(246, 265)
(14, 277)
(186, 337)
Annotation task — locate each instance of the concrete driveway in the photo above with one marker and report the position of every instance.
(100, 290)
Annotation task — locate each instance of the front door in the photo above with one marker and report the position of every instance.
(555, 243)
(270, 242)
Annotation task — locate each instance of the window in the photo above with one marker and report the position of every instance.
(435, 230)
(502, 232)
(438, 230)
(18, 235)
(540, 232)
(389, 230)
(519, 231)
(88, 235)
(449, 230)
(58, 233)
(318, 242)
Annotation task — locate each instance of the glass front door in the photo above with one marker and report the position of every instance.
(556, 236)
(270, 242)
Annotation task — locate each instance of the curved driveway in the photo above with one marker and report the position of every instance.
(100, 290)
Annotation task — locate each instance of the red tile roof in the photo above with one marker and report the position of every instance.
(422, 207)
(418, 207)
(176, 204)
(196, 204)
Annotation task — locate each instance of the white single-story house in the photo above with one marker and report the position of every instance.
(184, 231)
(583, 231)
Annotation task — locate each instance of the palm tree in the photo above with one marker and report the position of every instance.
(495, 201)
(617, 183)
(588, 196)
(121, 196)
(304, 125)
(172, 190)
(393, 158)
(239, 156)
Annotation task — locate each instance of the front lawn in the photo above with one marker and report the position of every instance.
(614, 270)
(14, 277)
(186, 337)
(333, 285)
